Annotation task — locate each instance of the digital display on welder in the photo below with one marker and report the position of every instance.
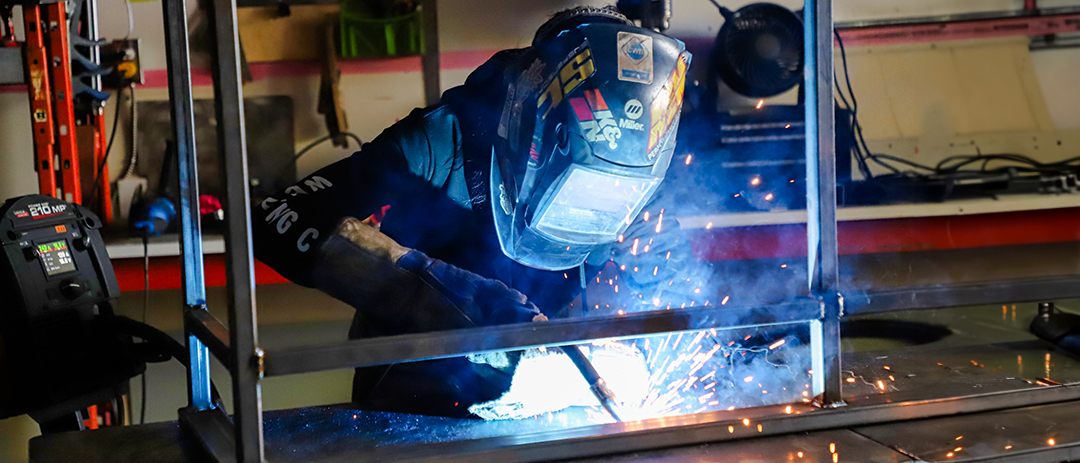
(56, 257)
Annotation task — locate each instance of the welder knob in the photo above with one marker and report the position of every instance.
(72, 289)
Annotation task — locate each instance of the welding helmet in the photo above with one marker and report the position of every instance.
(585, 138)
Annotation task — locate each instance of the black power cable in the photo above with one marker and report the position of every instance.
(112, 138)
(951, 167)
(146, 305)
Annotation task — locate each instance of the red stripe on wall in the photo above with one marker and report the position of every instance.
(893, 235)
(450, 60)
(14, 88)
(165, 273)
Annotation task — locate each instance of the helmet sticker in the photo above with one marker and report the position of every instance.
(596, 120)
(665, 108)
(635, 57)
(633, 111)
(572, 74)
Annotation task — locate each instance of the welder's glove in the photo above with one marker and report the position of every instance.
(399, 290)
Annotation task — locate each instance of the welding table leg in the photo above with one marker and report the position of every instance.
(246, 361)
(821, 234)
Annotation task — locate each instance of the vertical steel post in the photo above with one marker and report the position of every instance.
(232, 154)
(430, 60)
(183, 119)
(821, 196)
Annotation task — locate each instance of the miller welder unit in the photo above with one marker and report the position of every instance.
(57, 355)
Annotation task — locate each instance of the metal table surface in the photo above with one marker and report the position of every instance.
(862, 430)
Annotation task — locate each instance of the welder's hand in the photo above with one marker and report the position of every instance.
(486, 301)
(399, 290)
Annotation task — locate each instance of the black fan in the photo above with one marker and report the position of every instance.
(759, 50)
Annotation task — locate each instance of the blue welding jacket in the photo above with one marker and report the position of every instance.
(431, 168)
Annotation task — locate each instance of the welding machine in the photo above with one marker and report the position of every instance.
(56, 354)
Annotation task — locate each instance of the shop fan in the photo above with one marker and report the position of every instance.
(759, 50)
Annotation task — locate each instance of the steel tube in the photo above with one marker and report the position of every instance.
(213, 431)
(990, 292)
(239, 271)
(178, 66)
(211, 332)
(444, 344)
(430, 60)
(821, 237)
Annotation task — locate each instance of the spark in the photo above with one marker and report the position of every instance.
(759, 428)
(760, 103)
(768, 197)
(787, 409)
(755, 181)
(800, 454)
(851, 380)
(731, 429)
(736, 195)
(832, 447)
(646, 248)
(660, 221)
(1008, 447)
(708, 226)
(887, 367)
(950, 454)
(724, 302)
(891, 378)
(835, 458)
(881, 385)
(746, 422)
(621, 238)
(958, 449)
(646, 216)
(783, 266)
(654, 270)
(748, 379)
(959, 437)
(1050, 441)
(688, 156)
(777, 344)
(791, 181)
(633, 250)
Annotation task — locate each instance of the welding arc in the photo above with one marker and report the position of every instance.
(596, 383)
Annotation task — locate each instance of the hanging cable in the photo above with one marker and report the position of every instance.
(145, 307)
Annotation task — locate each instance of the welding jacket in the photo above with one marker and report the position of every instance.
(431, 169)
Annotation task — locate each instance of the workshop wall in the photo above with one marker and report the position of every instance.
(378, 93)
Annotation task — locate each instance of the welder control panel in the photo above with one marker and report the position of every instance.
(53, 255)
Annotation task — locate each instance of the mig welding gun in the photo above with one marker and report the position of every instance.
(404, 290)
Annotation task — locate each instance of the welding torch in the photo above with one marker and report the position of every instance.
(596, 384)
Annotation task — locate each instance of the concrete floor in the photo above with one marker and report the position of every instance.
(290, 315)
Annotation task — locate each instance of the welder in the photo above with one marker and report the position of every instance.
(481, 209)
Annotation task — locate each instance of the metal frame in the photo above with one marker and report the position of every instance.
(241, 439)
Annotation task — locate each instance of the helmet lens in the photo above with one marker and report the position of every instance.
(593, 206)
